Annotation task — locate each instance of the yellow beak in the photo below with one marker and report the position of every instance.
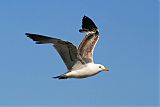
(105, 69)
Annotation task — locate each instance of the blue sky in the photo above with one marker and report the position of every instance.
(128, 46)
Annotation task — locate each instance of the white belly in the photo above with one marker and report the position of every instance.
(82, 73)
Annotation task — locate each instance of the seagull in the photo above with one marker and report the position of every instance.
(79, 61)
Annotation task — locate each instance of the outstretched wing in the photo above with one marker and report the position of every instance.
(88, 44)
(66, 50)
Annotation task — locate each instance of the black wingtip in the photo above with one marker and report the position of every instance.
(34, 37)
(27, 34)
(30, 35)
(86, 17)
(87, 25)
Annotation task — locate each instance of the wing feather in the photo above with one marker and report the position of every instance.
(88, 44)
(66, 50)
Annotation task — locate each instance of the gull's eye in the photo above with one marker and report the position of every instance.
(99, 66)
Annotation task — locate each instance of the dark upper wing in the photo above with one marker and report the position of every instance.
(88, 44)
(87, 25)
(67, 50)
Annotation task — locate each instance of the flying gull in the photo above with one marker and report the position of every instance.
(79, 61)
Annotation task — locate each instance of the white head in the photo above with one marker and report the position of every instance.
(101, 67)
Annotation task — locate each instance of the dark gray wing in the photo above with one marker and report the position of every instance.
(66, 50)
(88, 44)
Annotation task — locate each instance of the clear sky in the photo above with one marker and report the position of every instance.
(128, 46)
